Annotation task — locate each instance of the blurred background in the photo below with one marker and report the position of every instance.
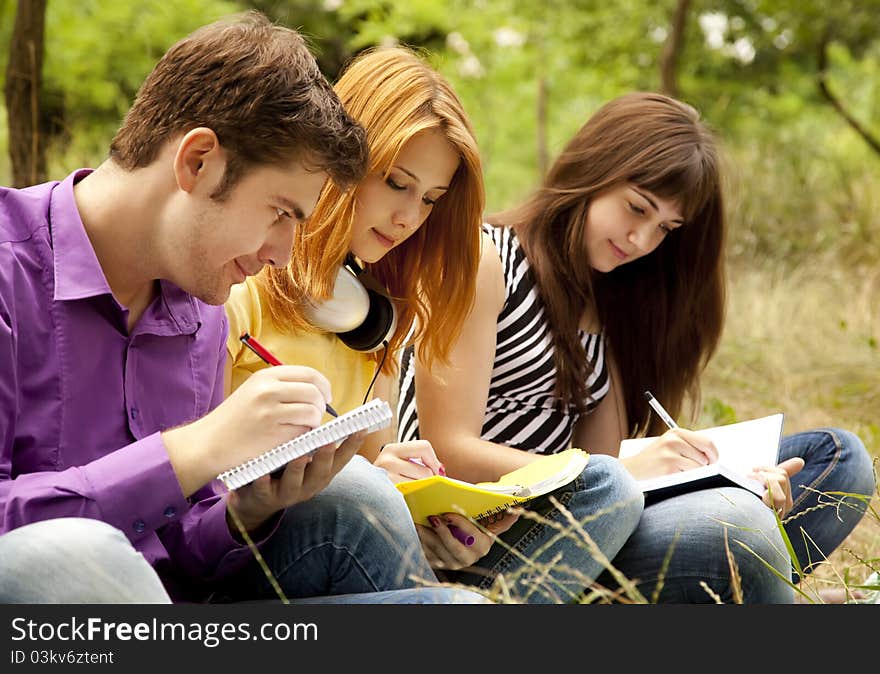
(792, 87)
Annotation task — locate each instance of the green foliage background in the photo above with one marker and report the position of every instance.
(803, 179)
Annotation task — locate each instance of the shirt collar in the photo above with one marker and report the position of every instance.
(78, 274)
(173, 312)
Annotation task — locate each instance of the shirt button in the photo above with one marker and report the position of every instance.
(170, 511)
(139, 526)
(134, 412)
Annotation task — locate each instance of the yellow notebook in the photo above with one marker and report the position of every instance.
(436, 495)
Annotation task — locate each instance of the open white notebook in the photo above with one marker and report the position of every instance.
(370, 417)
(741, 447)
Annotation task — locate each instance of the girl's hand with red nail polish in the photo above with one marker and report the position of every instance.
(454, 542)
(409, 460)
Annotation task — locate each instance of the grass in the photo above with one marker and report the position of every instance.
(804, 341)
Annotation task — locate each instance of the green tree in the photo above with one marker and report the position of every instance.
(329, 32)
(97, 54)
(530, 73)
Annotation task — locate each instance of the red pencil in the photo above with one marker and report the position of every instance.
(259, 349)
(267, 357)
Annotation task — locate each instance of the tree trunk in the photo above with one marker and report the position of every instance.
(672, 49)
(24, 79)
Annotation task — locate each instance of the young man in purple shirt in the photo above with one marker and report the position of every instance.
(112, 344)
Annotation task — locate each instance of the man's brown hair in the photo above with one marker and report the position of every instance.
(259, 88)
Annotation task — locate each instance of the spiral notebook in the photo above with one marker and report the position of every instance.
(370, 417)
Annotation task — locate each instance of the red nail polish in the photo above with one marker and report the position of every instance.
(442, 470)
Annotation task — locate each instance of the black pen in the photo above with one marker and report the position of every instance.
(658, 408)
(267, 357)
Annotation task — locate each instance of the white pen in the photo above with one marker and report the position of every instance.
(658, 408)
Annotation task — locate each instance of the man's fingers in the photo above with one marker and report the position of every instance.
(346, 451)
(300, 374)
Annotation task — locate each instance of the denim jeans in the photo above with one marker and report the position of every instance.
(837, 471)
(542, 558)
(73, 560)
(355, 542)
(682, 542)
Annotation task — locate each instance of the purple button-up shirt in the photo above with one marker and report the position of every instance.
(82, 400)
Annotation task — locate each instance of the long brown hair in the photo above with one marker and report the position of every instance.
(662, 314)
(432, 275)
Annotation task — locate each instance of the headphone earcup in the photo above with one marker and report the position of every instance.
(348, 307)
(376, 329)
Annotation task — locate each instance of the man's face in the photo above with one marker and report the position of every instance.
(253, 226)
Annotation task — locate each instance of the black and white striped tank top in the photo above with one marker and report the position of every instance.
(520, 410)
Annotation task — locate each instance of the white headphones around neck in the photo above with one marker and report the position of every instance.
(360, 312)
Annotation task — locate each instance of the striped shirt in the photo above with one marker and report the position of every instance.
(521, 409)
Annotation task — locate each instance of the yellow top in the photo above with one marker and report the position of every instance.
(349, 372)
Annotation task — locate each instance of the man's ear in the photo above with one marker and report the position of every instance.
(199, 161)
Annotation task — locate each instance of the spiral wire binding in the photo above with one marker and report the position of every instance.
(371, 416)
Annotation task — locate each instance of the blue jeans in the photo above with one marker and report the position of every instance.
(73, 560)
(542, 558)
(682, 542)
(355, 542)
(837, 471)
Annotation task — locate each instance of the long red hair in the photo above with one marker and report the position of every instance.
(394, 94)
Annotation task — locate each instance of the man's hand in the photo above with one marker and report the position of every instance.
(301, 480)
(271, 407)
